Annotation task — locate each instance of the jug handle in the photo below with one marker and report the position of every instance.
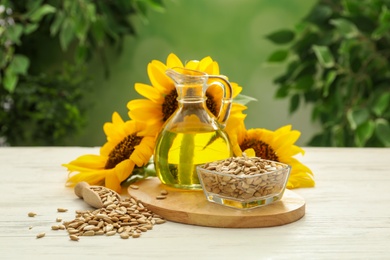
(227, 99)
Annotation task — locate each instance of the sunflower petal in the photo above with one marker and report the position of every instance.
(116, 118)
(192, 65)
(205, 64)
(124, 169)
(141, 103)
(250, 152)
(174, 61)
(159, 79)
(91, 177)
(147, 116)
(112, 182)
(291, 151)
(212, 69)
(90, 161)
(236, 89)
(149, 92)
(300, 180)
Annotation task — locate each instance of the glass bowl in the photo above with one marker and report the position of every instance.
(243, 186)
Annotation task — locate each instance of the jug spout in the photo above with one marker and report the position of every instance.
(182, 76)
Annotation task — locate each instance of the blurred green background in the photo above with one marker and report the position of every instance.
(320, 65)
(63, 75)
(231, 32)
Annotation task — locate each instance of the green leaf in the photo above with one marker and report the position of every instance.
(282, 91)
(381, 103)
(10, 80)
(346, 28)
(14, 32)
(67, 33)
(156, 5)
(19, 64)
(384, 24)
(56, 25)
(352, 7)
(141, 8)
(324, 56)
(33, 5)
(319, 14)
(81, 29)
(243, 99)
(39, 13)
(30, 28)
(81, 53)
(305, 43)
(91, 12)
(329, 79)
(357, 116)
(98, 31)
(4, 57)
(278, 56)
(301, 27)
(294, 103)
(304, 83)
(281, 37)
(382, 131)
(364, 132)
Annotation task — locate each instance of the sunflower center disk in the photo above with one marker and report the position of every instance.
(170, 104)
(122, 150)
(211, 105)
(262, 149)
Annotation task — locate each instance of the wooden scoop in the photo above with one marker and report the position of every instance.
(83, 190)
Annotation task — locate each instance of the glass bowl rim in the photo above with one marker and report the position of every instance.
(285, 167)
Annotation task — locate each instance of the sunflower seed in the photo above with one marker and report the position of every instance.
(111, 233)
(124, 235)
(89, 233)
(40, 235)
(55, 227)
(136, 235)
(32, 214)
(134, 187)
(74, 238)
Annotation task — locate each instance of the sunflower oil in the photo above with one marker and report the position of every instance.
(178, 154)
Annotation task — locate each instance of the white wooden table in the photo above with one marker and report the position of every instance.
(347, 214)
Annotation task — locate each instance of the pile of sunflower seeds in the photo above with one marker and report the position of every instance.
(127, 217)
(244, 178)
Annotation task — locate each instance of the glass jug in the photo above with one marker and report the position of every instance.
(192, 135)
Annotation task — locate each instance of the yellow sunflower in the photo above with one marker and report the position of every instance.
(160, 102)
(129, 144)
(277, 146)
(235, 128)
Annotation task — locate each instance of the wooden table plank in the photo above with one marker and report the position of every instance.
(347, 214)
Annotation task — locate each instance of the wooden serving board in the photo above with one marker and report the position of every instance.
(192, 207)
